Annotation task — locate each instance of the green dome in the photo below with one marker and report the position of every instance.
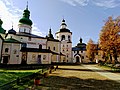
(25, 19)
(1, 29)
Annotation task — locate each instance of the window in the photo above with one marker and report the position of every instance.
(67, 45)
(29, 38)
(74, 51)
(53, 48)
(15, 51)
(67, 56)
(82, 57)
(49, 47)
(63, 50)
(67, 49)
(44, 57)
(24, 45)
(24, 30)
(6, 50)
(77, 51)
(63, 37)
(81, 51)
(69, 38)
(40, 46)
(63, 45)
(57, 37)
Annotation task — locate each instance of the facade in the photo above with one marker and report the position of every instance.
(23, 47)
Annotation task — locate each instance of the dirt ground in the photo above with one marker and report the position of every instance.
(76, 78)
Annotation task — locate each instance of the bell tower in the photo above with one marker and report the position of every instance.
(25, 24)
(65, 36)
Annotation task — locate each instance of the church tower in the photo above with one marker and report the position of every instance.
(65, 36)
(25, 24)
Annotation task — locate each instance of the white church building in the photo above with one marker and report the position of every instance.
(23, 47)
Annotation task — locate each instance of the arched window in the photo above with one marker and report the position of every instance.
(63, 37)
(40, 46)
(6, 49)
(53, 48)
(69, 38)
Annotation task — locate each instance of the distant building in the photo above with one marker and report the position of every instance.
(79, 53)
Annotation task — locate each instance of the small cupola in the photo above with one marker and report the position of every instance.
(50, 35)
(12, 31)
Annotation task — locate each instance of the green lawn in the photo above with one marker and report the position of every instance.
(7, 76)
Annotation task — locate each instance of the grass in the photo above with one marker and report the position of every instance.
(7, 76)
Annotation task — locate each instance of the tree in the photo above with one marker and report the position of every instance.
(110, 38)
(91, 50)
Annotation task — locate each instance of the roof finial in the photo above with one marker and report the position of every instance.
(12, 24)
(27, 5)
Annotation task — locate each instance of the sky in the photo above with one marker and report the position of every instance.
(84, 18)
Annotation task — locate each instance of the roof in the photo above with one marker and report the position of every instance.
(25, 19)
(11, 40)
(50, 39)
(64, 30)
(29, 35)
(79, 49)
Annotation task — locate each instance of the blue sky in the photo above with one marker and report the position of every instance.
(85, 18)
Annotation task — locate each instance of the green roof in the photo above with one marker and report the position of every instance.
(25, 19)
(11, 40)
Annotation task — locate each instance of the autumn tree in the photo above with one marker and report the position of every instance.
(91, 50)
(110, 38)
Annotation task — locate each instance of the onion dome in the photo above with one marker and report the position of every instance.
(25, 19)
(81, 44)
(12, 31)
(1, 29)
(64, 27)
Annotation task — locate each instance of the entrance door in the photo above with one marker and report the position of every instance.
(39, 59)
(24, 58)
(77, 59)
(5, 59)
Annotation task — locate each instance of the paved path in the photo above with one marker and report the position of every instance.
(107, 74)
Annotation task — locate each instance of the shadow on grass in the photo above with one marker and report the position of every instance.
(74, 83)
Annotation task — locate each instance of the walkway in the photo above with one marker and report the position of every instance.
(107, 74)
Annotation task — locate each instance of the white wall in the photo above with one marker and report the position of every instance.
(32, 58)
(13, 52)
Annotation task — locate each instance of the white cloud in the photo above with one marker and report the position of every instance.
(75, 2)
(107, 3)
(11, 14)
(100, 3)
